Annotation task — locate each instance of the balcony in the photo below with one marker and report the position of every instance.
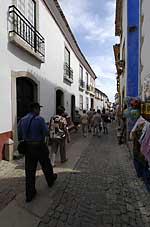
(91, 89)
(81, 84)
(97, 96)
(25, 35)
(68, 73)
(87, 88)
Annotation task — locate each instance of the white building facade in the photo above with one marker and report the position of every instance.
(120, 49)
(40, 61)
(101, 100)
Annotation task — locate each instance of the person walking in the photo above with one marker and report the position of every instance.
(105, 121)
(84, 122)
(90, 116)
(33, 129)
(97, 123)
(58, 130)
(67, 117)
(76, 120)
(122, 138)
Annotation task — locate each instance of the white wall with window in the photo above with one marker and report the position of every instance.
(49, 74)
(99, 99)
(67, 56)
(19, 62)
(81, 78)
(81, 102)
(28, 9)
(123, 46)
(87, 103)
(87, 78)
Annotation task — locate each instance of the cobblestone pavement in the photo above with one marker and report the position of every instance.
(12, 178)
(11, 181)
(102, 191)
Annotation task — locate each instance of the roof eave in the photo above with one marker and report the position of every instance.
(82, 57)
(118, 17)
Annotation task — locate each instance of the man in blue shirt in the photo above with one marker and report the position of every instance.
(33, 129)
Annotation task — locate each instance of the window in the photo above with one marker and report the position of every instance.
(81, 81)
(87, 80)
(81, 102)
(91, 80)
(31, 12)
(22, 18)
(67, 56)
(68, 71)
(28, 9)
(81, 73)
(21, 6)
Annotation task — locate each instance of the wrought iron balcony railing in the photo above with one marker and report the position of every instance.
(90, 88)
(26, 31)
(68, 72)
(87, 87)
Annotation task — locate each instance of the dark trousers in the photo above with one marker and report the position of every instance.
(37, 153)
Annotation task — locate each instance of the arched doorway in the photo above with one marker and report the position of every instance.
(72, 106)
(59, 99)
(26, 94)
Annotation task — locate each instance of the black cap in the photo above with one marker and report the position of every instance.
(60, 110)
(35, 105)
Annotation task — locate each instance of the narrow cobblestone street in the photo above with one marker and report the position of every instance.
(102, 190)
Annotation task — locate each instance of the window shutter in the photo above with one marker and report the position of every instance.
(31, 12)
(21, 6)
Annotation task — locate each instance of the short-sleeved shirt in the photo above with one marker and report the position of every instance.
(37, 131)
(97, 119)
(90, 114)
(84, 119)
(58, 127)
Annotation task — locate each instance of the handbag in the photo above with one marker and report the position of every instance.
(23, 145)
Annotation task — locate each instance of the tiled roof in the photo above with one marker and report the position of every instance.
(96, 89)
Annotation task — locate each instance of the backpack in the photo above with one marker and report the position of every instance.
(56, 127)
(105, 118)
(84, 119)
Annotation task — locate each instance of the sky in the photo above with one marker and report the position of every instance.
(92, 23)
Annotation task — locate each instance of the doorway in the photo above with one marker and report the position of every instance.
(72, 107)
(92, 103)
(59, 99)
(26, 94)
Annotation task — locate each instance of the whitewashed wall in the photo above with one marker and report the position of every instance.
(98, 104)
(49, 74)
